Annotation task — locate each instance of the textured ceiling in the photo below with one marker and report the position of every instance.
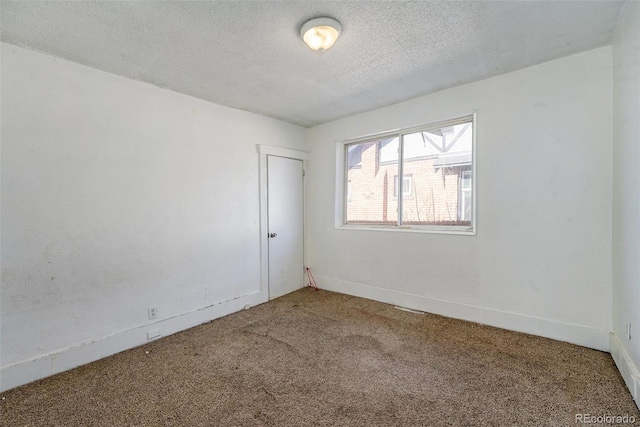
(248, 54)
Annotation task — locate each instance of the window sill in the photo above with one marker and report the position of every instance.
(462, 230)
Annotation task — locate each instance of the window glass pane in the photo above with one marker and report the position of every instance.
(371, 168)
(437, 160)
(388, 150)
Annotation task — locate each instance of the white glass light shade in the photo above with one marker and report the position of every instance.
(320, 33)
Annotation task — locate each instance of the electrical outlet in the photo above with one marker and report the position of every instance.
(153, 312)
(153, 334)
(629, 331)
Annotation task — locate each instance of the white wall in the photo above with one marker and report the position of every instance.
(541, 260)
(626, 197)
(118, 196)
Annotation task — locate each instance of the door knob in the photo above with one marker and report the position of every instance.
(272, 235)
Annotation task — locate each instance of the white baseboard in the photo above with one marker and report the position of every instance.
(562, 331)
(61, 360)
(630, 373)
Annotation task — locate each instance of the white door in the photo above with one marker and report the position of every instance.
(285, 225)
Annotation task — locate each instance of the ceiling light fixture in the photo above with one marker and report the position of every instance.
(320, 33)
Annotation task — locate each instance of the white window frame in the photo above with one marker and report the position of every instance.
(341, 181)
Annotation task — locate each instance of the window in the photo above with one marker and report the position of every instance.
(465, 196)
(436, 165)
(407, 185)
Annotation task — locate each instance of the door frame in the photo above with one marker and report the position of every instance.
(264, 151)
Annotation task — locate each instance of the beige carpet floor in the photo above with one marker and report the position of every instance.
(326, 359)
